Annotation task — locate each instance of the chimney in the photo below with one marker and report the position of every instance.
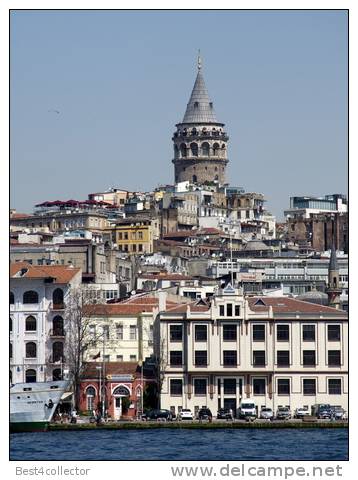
(162, 300)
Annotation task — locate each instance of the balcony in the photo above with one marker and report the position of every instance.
(57, 333)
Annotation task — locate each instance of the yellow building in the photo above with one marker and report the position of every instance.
(135, 236)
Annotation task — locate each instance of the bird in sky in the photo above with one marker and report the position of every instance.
(52, 110)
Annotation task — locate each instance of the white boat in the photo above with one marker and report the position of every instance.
(32, 405)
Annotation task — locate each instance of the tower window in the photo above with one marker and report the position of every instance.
(195, 179)
(194, 149)
(211, 104)
(196, 104)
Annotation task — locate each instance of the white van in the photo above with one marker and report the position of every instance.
(247, 409)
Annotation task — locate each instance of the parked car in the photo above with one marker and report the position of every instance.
(301, 412)
(205, 414)
(247, 409)
(157, 415)
(224, 414)
(321, 410)
(266, 413)
(338, 413)
(185, 414)
(283, 413)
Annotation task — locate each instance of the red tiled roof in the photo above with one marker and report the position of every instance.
(290, 305)
(60, 273)
(112, 368)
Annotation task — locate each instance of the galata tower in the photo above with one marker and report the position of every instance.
(200, 142)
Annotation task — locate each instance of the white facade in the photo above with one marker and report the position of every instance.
(35, 327)
(254, 348)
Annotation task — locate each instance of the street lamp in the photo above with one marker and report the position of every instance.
(100, 384)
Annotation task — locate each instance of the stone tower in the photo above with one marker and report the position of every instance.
(200, 142)
(333, 291)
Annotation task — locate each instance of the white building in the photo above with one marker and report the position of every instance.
(37, 305)
(273, 351)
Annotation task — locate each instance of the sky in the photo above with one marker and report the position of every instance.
(121, 80)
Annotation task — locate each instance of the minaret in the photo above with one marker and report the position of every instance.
(200, 142)
(333, 290)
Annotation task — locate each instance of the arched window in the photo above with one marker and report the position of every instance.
(12, 298)
(30, 297)
(194, 149)
(90, 396)
(57, 325)
(183, 150)
(10, 350)
(121, 390)
(176, 151)
(195, 178)
(30, 376)
(205, 149)
(223, 148)
(216, 148)
(57, 296)
(56, 374)
(30, 324)
(216, 177)
(31, 350)
(10, 325)
(57, 352)
(194, 131)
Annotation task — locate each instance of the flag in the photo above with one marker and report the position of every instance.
(96, 356)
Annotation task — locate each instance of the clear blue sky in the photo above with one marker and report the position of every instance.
(121, 81)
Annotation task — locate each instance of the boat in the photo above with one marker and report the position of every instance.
(32, 405)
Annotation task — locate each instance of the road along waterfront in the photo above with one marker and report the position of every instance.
(182, 444)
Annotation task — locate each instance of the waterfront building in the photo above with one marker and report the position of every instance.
(270, 350)
(37, 315)
(119, 385)
(135, 236)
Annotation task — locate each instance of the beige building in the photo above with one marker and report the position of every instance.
(272, 350)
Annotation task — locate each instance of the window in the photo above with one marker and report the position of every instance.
(10, 349)
(229, 386)
(176, 357)
(334, 333)
(237, 310)
(334, 358)
(229, 333)
(30, 297)
(230, 358)
(201, 333)
(57, 297)
(57, 326)
(105, 331)
(205, 149)
(119, 331)
(56, 374)
(132, 358)
(176, 386)
(31, 350)
(334, 386)
(176, 333)
(309, 386)
(283, 333)
(258, 333)
(199, 386)
(30, 376)
(140, 235)
(194, 149)
(283, 358)
(140, 248)
(229, 310)
(259, 359)
(119, 358)
(283, 386)
(57, 352)
(308, 333)
(12, 298)
(201, 357)
(222, 311)
(133, 332)
(259, 386)
(90, 396)
(106, 358)
(309, 358)
(10, 325)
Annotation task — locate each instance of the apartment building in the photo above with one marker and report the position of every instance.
(271, 350)
(37, 316)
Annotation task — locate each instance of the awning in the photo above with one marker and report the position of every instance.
(66, 396)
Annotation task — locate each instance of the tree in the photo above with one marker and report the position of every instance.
(79, 337)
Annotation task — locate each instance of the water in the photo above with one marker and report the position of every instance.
(157, 444)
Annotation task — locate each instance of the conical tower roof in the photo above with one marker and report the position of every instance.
(333, 264)
(200, 108)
